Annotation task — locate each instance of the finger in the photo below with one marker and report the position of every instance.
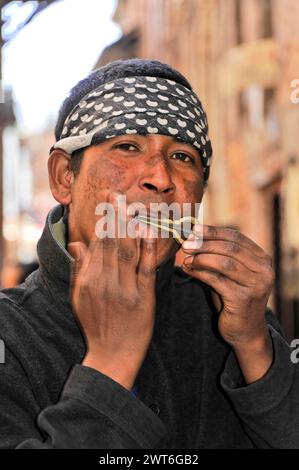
(104, 246)
(146, 269)
(129, 250)
(127, 262)
(209, 232)
(120, 252)
(220, 283)
(227, 248)
(223, 265)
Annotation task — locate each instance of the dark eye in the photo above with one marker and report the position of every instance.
(182, 157)
(126, 146)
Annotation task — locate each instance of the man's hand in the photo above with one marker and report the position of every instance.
(241, 275)
(113, 298)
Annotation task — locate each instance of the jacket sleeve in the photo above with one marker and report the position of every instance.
(269, 407)
(94, 412)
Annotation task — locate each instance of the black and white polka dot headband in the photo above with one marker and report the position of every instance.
(138, 105)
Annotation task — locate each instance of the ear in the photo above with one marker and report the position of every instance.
(61, 176)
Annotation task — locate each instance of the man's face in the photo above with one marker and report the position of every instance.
(146, 169)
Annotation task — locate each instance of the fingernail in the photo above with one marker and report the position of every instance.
(191, 244)
(191, 237)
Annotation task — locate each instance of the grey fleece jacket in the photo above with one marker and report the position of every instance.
(190, 393)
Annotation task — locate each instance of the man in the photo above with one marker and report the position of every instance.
(132, 353)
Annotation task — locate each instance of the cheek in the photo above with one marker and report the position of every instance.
(94, 182)
(192, 190)
(105, 175)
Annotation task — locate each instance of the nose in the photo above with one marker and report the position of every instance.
(157, 177)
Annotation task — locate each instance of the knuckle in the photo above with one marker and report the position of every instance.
(263, 287)
(109, 293)
(266, 269)
(110, 243)
(229, 265)
(132, 301)
(234, 247)
(126, 254)
(206, 247)
(265, 260)
(236, 236)
(128, 299)
(147, 270)
(219, 277)
(270, 275)
(268, 259)
(260, 292)
(212, 231)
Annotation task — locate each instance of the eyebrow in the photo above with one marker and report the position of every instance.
(173, 140)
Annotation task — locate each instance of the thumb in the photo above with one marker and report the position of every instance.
(217, 300)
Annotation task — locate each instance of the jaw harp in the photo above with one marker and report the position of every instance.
(171, 226)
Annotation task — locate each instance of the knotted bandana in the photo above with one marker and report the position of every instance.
(138, 105)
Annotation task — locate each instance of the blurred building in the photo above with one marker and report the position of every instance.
(23, 199)
(241, 56)
(26, 195)
(7, 120)
(38, 146)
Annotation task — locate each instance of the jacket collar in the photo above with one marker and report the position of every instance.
(55, 261)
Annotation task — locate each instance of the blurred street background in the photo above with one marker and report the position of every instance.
(242, 58)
